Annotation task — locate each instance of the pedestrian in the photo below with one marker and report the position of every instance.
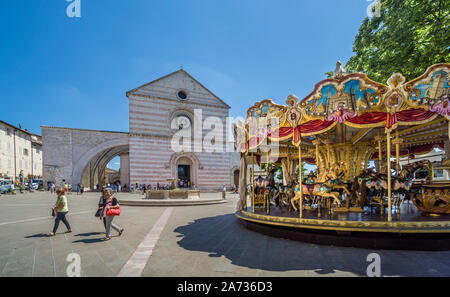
(110, 202)
(101, 204)
(60, 209)
(81, 189)
(78, 189)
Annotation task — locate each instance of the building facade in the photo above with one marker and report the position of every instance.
(20, 152)
(157, 112)
(177, 130)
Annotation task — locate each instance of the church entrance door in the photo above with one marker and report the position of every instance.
(184, 175)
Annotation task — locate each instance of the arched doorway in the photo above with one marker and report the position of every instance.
(96, 173)
(184, 168)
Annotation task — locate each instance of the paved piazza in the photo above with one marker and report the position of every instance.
(190, 241)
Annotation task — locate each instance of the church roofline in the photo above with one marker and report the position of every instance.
(165, 76)
(91, 130)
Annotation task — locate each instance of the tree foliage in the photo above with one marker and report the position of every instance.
(408, 36)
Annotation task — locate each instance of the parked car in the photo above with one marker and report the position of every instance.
(6, 185)
(34, 184)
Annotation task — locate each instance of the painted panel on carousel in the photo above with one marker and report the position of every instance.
(267, 109)
(431, 90)
(339, 99)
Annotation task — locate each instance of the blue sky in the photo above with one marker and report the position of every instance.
(74, 72)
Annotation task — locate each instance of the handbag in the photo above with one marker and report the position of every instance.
(113, 211)
(54, 212)
(98, 213)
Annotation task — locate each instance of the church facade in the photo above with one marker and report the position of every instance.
(178, 130)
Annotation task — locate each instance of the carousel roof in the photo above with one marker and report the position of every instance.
(351, 108)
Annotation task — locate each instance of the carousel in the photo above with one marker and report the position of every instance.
(362, 139)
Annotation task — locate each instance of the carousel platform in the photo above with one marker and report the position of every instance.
(411, 230)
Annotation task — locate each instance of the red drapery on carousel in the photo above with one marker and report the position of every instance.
(409, 115)
(316, 126)
(419, 149)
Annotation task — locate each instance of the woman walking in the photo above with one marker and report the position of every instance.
(110, 203)
(61, 210)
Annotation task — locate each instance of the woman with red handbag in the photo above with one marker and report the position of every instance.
(110, 210)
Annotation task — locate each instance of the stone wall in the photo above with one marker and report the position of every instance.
(66, 152)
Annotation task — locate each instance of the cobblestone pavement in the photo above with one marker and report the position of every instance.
(190, 241)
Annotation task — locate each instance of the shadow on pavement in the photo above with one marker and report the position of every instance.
(90, 240)
(37, 235)
(89, 234)
(223, 235)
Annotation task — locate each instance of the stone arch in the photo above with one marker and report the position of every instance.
(176, 157)
(80, 165)
(232, 172)
(100, 161)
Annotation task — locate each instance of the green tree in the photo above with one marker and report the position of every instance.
(304, 173)
(408, 36)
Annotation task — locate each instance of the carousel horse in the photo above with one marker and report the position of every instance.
(335, 177)
(368, 189)
(358, 195)
(268, 186)
(320, 188)
(285, 195)
(271, 187)
(375, 186)
(407, 172)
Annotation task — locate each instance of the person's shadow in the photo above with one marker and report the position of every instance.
(39, 235)
(89, 240)
(89, 234)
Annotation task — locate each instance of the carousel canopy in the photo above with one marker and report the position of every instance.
(351, 109)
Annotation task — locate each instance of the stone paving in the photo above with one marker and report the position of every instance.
(196, 241)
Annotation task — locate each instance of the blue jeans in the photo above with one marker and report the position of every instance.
(61, 216)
